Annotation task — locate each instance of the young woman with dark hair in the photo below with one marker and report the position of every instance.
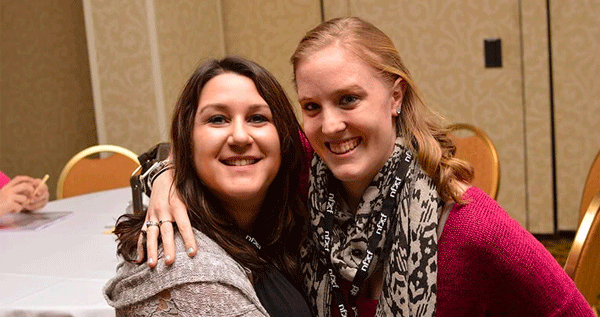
(237, 153)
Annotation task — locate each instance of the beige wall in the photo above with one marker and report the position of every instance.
(268, 31)
(123, 78)
(143, 51)
(575, 26)
(46, 99)
(536, 110)
(442, 45)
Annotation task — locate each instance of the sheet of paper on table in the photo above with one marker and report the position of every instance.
(31, 220)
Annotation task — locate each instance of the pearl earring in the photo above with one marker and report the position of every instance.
(398, 111)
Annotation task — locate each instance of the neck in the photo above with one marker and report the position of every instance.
(244, 211)
(353, 192)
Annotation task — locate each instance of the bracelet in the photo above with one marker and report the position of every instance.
(148, 177)
(153, 177)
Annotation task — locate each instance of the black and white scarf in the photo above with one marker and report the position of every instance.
(408, 247)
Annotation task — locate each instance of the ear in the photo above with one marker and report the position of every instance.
(398, 90)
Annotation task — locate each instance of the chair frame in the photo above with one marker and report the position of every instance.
(591, 217)
(583, 209)
(486, 139)
(581, 235)
(85, 153)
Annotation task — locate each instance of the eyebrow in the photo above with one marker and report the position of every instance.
(338, 92)
(223, 107)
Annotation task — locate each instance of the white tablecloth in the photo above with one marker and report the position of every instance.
(60, 269)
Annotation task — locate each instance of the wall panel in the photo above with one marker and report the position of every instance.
(124, 93)
(575, 26)
(47, 110)
(268, 32)
(536, 75)
(188, 32)
(144, 50)
(442, 44)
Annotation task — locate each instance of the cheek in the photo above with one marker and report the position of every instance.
(310, 125)
(200, 145)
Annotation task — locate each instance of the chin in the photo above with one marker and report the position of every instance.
(347, 174)
(244, 194)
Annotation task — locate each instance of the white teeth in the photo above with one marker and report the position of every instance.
(344, 147)
(240, 162)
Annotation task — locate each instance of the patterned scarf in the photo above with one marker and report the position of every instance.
(408, 249)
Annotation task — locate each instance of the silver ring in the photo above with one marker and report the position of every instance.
(160, 222)
(151, 223)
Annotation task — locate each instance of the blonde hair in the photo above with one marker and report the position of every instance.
(417, 122)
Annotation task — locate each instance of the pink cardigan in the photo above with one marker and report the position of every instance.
(491, 266)
(3, 179)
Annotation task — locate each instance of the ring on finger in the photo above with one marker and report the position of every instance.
(151, 223)
(160, 222)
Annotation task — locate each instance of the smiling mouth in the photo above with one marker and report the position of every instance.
(343, 146)
(240, 162)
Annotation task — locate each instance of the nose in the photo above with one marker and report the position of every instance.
(333, 121)
(240, 135)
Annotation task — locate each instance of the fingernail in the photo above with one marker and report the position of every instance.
(168, 257)
(150, 261)
(190, 250)
(137, 258)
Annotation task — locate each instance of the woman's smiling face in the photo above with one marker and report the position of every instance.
(236, 146)
(348, 114)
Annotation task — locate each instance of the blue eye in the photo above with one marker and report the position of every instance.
(217, 119)
(310, 106)
(348, 99)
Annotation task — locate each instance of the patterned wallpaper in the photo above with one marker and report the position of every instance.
(47, 112)
(268, 32)
(122, 73)
(184, 40)
(142, 51)
(536, 99)
(575, 26)
(442, 44)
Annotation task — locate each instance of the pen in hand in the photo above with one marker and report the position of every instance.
(37, 188)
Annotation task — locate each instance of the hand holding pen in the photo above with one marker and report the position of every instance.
(23, 193)
(39, 196)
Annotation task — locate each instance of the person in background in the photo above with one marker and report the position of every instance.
(237, 155)
(16, 194)
(395, 227)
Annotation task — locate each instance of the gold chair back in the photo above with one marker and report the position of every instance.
(583, 261)
(474, 146)
(592, 186)
(83, 174)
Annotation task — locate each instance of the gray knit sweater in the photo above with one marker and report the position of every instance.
(209, 284)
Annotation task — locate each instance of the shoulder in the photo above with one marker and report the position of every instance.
(199, 299)
(480, 217)
(482, 228)
(211, 265)
(481, 244)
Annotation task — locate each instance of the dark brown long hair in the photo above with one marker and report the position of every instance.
(279, 225)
